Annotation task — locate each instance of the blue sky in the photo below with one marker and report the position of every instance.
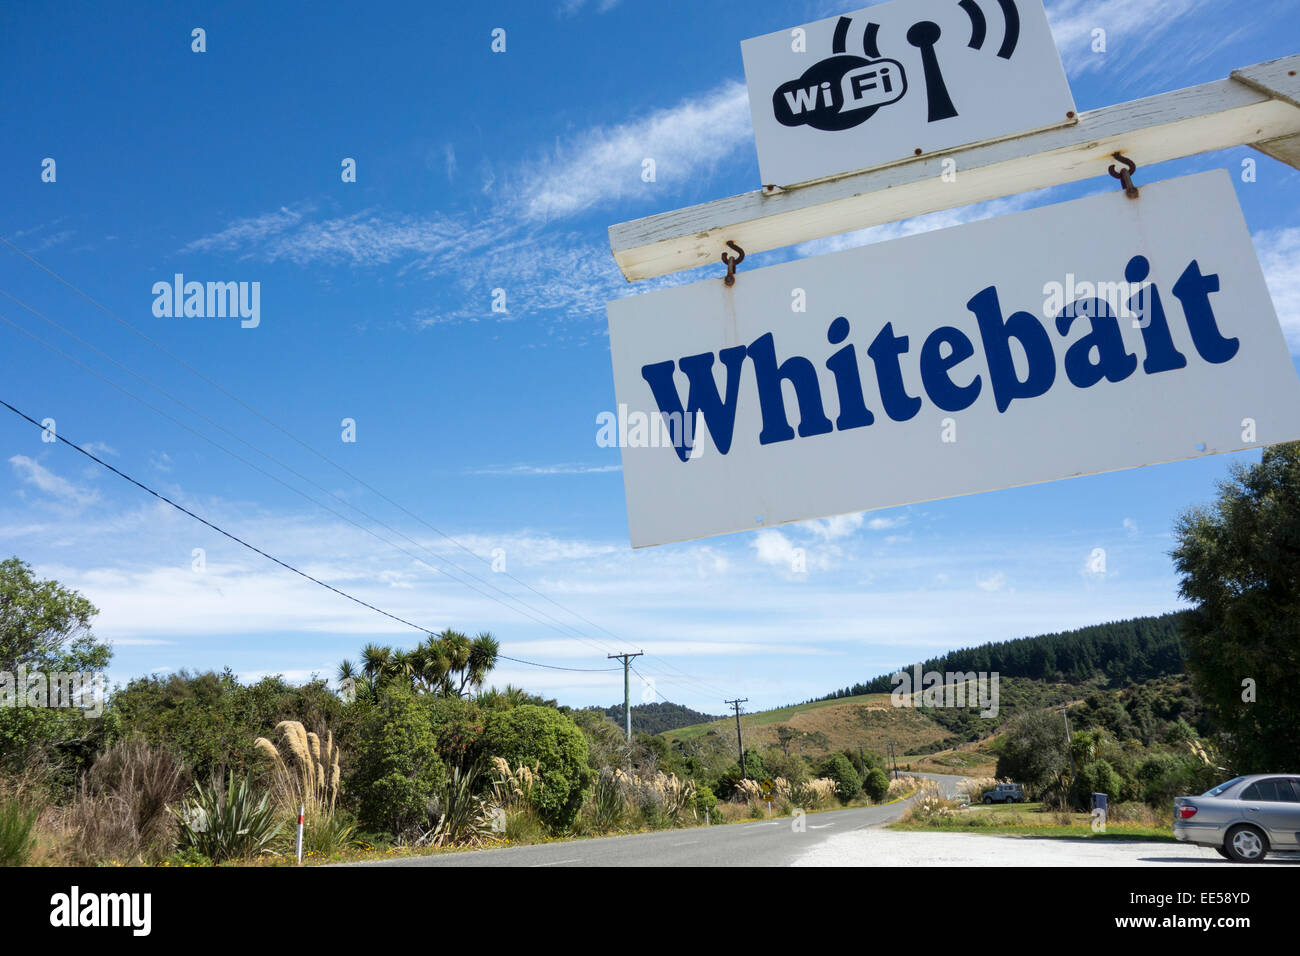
(476, 171)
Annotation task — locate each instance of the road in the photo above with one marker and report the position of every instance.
(757, 843)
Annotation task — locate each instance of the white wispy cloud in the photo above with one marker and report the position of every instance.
(707, 605)
(774, 548)
(1132, 28)
(605, 163)
(569, 8)
(1279, 256)
(927, 223)
(250, 231)
(560, 469)
(33, 473)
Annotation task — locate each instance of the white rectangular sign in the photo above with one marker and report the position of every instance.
(1091, 336)
(900, 79)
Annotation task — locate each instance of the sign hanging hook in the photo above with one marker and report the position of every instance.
(732, 261)
(1125, 176)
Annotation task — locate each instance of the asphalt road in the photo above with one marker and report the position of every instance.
(758, 843)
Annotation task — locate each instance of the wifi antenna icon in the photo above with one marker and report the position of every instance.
(925, 34)
(845, 90)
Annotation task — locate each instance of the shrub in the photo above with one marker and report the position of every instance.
(208, 719)
(793, 768)
(230, 822)
(461, 815)
(550, 741)
(1165, 776)
(731, 778)
(876, 784)
(838, 768)
(705, 801)
(397, 769)
(1096, 777)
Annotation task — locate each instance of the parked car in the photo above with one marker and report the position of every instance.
(1005, 793)
(1244, 818)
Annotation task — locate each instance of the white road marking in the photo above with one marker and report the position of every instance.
(687, 843)
(557, 863)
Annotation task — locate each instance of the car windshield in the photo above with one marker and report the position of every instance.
(1222, 787)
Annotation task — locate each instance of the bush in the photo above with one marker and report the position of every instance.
(705, 801)
(209, 719)
(847, 782)
(793, 768)
(549, 741)
(1096, 777)
(876, 784)
(1165, 776)
(729, 781)
(228, 823)
(397, 770)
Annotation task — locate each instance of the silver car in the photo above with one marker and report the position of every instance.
(1244, 818)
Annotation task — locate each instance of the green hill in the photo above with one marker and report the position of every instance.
(1103, 672)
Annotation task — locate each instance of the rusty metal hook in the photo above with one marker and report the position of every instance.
(1125, 176)
(731, 262)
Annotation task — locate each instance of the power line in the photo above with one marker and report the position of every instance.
(235, 398)
(125, 324)
(256, 550)
(297, 491)
(551, 621)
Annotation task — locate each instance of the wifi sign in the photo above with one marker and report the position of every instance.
(900, 79)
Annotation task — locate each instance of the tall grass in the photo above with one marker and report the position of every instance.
(120, 809)
(639, 800)
(785, 797)
(17, 831)
(974, 787)
(305, 770)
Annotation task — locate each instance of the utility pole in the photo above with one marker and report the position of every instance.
(1068, 742)
(740, 745)
(627, 691)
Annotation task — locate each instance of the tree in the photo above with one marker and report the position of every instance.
(838, 768)
(1239, 561)
(876, 784)
(45, 628)
(448, 664)
(45, 625)
(1034, 751)
(785, 736)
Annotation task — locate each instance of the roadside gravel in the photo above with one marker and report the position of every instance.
(879, 847)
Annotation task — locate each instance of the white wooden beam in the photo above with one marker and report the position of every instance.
(1259, 105)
